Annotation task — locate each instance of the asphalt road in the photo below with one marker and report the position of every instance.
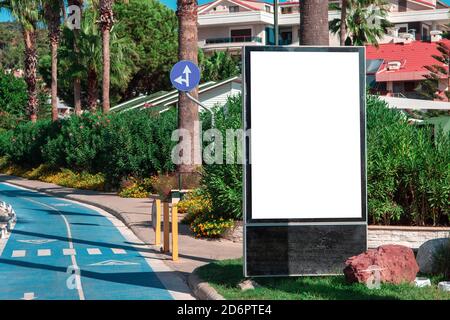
(62, 250)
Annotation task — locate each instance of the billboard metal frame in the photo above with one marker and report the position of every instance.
(247, 179)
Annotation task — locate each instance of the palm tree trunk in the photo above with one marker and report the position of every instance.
(54, 89)
(92, 90)
(30, 72)
(52, 15)
(188, 50)
(76, 80)
(314, 23)
(343, 28)
(106, 21)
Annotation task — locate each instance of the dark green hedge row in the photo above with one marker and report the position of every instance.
(408, 169)
(133, 143)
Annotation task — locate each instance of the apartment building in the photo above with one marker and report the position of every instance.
(397, 69)
(230, 24)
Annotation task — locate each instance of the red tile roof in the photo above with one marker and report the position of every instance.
(413, 57)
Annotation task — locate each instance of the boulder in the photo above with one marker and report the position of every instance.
(392, 263)
(425, 255)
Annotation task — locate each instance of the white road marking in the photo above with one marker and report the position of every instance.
(37, 241)
(69, 252)
(94, 251)
(69, 239)
(114, 263)
(19, 253)
(28, 296)
(44, 252)
(118, 251)
(174, 284)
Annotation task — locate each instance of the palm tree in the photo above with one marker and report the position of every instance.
(365, 22)
(343, 26)
(188, 50)
(314, 22)
(106, 23)
(77, 79)
(26, 13)
(91, 57)
(52, 15)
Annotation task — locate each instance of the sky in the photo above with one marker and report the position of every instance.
(4, 16)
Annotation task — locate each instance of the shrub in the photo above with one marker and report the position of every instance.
(13, 100)
(27, 140)
(133, 143)
(194, 204)
(5, 140)
(224, 181)
(136, 188)
(210, 226)
(408, 172)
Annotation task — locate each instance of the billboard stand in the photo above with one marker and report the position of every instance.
(305, 159)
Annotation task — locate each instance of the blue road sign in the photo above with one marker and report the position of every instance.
(185, 75)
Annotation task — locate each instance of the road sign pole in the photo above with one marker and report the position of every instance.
(166, 227)
(158, 222)
(213, 121)
(174, 232)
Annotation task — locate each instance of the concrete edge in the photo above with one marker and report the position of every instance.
(201, 289)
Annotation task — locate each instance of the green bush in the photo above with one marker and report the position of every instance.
(27, 140)
(5, 140)
(224, 181)
(210, 225)
(134, 143)
(13, 100)
(408, 169)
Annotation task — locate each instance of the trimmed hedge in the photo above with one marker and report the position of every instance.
(408, 168)
(134, 144)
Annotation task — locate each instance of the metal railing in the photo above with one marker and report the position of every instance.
(234, 39)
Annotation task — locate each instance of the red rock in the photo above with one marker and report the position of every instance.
(395, 263)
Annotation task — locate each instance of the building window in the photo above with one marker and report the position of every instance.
(268, 9)
(410, 86)
(234, 8)
(241, 35)
(286, 10)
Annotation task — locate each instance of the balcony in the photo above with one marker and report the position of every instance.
(239, 39)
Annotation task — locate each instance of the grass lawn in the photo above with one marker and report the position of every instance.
(225, 275)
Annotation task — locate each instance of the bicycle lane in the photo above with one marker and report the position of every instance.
(57, 235)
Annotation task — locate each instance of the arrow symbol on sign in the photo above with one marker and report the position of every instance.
(182, 80)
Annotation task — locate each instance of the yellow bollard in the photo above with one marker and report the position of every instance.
(166, 227)
(158, 223)
(174, 233)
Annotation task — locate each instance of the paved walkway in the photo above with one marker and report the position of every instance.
(136, 214)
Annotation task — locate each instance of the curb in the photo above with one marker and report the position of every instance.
(202, 290)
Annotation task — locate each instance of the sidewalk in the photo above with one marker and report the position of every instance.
(136, 214)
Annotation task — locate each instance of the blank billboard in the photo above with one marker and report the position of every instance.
(305, 109)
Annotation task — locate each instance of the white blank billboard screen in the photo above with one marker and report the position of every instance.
(305, 135)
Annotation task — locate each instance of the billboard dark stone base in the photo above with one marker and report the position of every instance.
(302, 250)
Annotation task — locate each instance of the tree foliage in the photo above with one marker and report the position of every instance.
(220, 65)
(366, 21)
(438, 72)
(153, 29)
